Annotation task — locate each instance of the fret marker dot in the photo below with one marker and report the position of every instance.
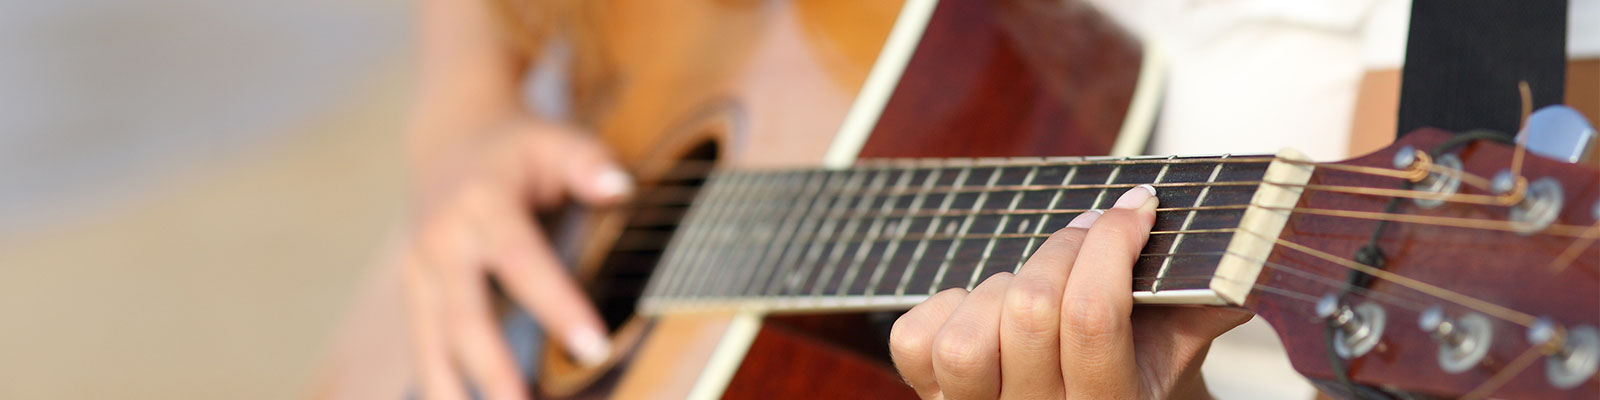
(1022, 227)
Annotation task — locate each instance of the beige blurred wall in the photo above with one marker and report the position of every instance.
(222, 281)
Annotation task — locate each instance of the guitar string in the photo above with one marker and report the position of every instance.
(1486, 307)
(1575, 249)
(899, 213)
(1504, 375)
(1574, 231)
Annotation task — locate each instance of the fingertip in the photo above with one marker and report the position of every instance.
(1136, 197)
(612, 183)
(588, 345)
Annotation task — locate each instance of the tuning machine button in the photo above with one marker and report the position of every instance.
(1436, 186)
(1463, 341)
(1540, 204)
(1359, 328)
(1577, 357)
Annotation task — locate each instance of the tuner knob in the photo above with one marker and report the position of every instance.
(1573, 357)
(1463, 342)
(1359, 328)
(1503, 182)
(1406, 156)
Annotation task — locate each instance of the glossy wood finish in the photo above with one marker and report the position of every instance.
(843, 357)
(1503, 268)
(1011, 78)
(771, 79)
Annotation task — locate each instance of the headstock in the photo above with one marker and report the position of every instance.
(1474, 298)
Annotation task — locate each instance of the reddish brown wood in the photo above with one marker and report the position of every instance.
(785, 362)
(1010, 78)
(1500, 267)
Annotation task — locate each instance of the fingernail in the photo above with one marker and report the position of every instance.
(1085, 220)
(612, 182)
(588, 346)
(1135, 197)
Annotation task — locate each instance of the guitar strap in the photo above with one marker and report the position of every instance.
(1465, 58)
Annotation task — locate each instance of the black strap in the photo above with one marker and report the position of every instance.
(1464, 59)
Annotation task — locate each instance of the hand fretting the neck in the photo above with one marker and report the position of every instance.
(886, 234)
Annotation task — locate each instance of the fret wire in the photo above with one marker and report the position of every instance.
(837, 254)
(716, 238)
(694, 238)
(1188, 220)
(966, 225)
(783, 232)
(1112, 177)
(1055, 199)
(794, 250)
(692, 243)
(922, 245)
(734, 237)
(1159, 176)
(903, 226)
(758, 231)
(988, 248)
(873, 232)
(814, 250)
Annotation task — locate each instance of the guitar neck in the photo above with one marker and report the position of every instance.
(886, 234)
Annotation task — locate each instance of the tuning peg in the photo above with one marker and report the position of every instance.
(1359, 327)
(1463, 342)
(1573, 357)
(1557, 132)
(1540, 204)
(1404, 157)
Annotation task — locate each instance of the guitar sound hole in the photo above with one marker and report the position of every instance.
(650, 223)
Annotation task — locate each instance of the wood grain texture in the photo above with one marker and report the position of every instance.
(1503, 268)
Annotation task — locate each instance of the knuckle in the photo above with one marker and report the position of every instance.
(908, 339)
(956, 352)
(1032, 306)
(1090, 321)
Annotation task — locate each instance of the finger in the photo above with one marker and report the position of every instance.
(435, 373)
(1030, 321)
(482, 352)
(911, 340)
(585, 169)
(533, 276)
(1096, 337)
(966, 353)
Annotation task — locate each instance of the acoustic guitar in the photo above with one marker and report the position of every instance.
(809, 168)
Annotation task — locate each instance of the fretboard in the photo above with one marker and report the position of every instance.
(887, 234)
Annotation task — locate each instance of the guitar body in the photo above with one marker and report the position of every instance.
(759, 84)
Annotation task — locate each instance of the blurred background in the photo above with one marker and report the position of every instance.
(190, 190)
